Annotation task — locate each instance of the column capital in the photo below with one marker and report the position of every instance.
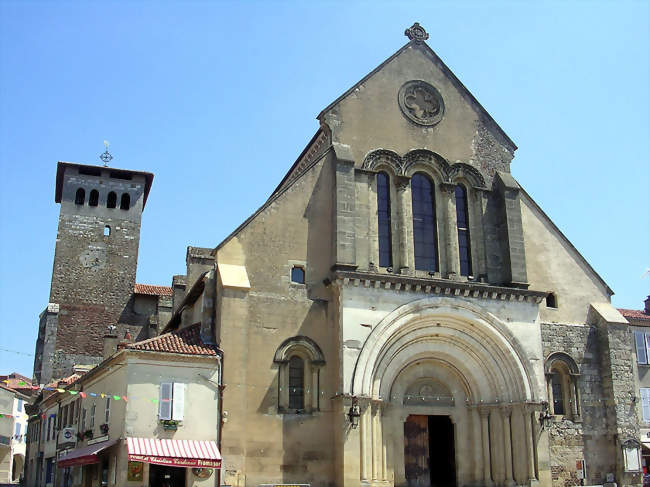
(506, 411)
(402, 182)
(447, 187)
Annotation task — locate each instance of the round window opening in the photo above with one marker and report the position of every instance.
(421, 103)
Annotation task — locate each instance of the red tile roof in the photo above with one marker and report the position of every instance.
(635, 314)
(152, 290)
(186, 341)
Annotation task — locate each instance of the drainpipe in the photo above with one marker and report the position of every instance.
(220, 412)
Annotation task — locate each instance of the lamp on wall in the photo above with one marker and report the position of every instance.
(545, 416)
(354, 414)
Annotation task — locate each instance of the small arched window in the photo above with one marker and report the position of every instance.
(562, 376)
(298, 274)
(93, 199)
(462, 222)
(299, 361)
(125, 202)
(551, 300)
(425, 237)
(107, 231)
(296, 383)
(383, 220)
(111, 201)
(80, 197)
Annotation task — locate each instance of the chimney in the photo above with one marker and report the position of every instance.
(647, 305)
(110, 341)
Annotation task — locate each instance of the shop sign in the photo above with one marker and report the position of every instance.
(176, 462)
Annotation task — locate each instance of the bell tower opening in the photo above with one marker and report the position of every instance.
(429, 451)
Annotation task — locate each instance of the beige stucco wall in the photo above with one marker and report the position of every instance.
(260, 445)
(370, 118)
(554, 266)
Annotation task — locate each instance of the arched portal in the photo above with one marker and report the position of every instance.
(452, 395)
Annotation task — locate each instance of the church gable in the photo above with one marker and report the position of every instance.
(413, 101)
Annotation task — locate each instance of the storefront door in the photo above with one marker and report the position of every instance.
(164, 476)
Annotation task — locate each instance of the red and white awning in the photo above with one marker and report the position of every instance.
(177, 453)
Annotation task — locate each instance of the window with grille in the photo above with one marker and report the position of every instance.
(462, 223)
(383, 220)
(296, 383)
(425, 238)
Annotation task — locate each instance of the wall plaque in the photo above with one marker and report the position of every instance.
(421, 103)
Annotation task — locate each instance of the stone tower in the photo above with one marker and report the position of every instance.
(95, 265)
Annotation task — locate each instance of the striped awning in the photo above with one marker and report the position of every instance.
(177, 453)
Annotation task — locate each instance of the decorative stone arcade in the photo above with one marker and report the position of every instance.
(446, 357)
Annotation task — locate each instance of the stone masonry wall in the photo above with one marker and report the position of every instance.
(590, 439)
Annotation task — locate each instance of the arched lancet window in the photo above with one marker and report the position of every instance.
(425, 237)
(80, 197)
(299, 361)
(462, 222)
(107, 231)
(111, 201)
(125, 202)
(383, 220)
(562, 376)
(93, 199)
(296, 383)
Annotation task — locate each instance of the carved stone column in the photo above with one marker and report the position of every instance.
(577, 412)
(376, 442)
(549, 391)
(365, 437)
(527, 412)
(450, 238)
(507, 444)
(404, 223)
(485, 436)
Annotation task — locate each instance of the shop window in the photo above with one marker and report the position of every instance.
(425, 238)
(171, 405)
(462, 223)
(93, 200)
(299, 361)
(383, 220)
(80, 197)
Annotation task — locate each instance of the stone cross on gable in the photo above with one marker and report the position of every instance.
(416, 33)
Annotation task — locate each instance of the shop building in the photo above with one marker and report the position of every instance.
(147, 413)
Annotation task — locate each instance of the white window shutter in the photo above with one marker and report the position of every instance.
(165, 402)
(645, 403)
(641, 355)
(179, 401)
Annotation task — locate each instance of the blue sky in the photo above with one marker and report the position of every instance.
(219, 98)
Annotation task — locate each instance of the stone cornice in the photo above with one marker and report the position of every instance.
(443, 287)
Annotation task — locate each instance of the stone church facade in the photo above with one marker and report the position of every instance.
(400, 312)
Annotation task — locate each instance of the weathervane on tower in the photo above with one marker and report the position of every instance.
(106, 156)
